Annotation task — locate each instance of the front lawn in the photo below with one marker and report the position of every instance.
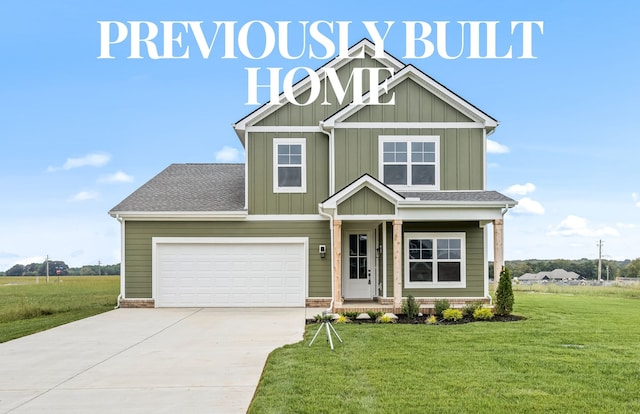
(573, 354)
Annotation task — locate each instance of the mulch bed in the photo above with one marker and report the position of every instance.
(422, 320)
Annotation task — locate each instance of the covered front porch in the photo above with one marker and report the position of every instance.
(386, 246)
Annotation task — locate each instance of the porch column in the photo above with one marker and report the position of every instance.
(498, 251)
(337, 263)
(397, 264)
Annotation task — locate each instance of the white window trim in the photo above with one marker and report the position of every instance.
(435, 284)
(409, 139)
(288, 141)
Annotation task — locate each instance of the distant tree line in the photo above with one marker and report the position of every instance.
(57, 267)
(584, 267)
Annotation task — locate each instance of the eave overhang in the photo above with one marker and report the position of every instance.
(180, 215)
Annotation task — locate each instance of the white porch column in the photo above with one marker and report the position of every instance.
(498, 251)
(397, 264)
(337, 263)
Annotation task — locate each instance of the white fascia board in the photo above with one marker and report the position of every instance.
(449, 214)
(181, 215)
(285, 217)
(337, 62)
(415, 203)
(411, 72)
(359, 184)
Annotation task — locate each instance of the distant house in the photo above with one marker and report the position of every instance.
(556, 275)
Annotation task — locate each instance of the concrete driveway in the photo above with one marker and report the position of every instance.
(145, 360)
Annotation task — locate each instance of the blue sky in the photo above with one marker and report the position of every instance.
(78, 134)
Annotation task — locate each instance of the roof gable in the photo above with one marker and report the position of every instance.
(424, 81)
(365, 181)
(365, 46)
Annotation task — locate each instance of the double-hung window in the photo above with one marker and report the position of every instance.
(410, 162)
(289, 165)
(435, 260)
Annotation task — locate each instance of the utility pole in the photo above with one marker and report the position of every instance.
(600, 260)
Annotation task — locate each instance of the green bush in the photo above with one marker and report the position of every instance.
(410, 307)
(452, 314)
(440, 306)
(351, 315)
(504, 294)
(374, 314)
(471, 307)
(483, 314)
(343, 319)
(385, 319)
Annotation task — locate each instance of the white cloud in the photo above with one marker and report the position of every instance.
(228, 154)
(627, 226)
(579, 226)
(636, 199)
(494, 147)
(521, 189)
(528, 206)
(84, 196)
(118, 177)
(89, 160)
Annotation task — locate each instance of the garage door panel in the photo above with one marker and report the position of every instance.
(230, 274)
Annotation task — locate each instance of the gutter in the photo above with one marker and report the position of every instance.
(330, 217)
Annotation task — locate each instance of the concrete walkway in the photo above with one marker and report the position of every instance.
(145, 360)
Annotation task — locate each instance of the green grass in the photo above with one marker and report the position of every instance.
(575, 353)
(27, 307)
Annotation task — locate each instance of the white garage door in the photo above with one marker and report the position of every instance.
(230, 274)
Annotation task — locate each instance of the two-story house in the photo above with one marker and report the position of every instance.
(335, 203)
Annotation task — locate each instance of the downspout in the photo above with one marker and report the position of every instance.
(329, 216)
(121, 221)
(322, 213)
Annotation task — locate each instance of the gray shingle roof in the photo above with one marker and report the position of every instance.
(470, 196)
(189, 187)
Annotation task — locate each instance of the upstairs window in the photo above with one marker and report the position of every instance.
(289, 165)
(410, 162)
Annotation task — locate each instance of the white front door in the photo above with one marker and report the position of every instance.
(357, 274)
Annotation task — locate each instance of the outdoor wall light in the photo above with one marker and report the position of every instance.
(323, 251)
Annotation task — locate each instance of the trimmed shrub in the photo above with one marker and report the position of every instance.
(431, 320)
(452, 314)
(471, 307)
(351, 315)
(504, 294)
(483, 314)
(343, 319)
(374, 314)
(440, 305)
(410, 307)
(385, 319)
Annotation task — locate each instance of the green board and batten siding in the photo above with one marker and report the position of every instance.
(474, 258)
(262, 199)
(461, 150)
(365, 202)
(461, 160)
(138, 247)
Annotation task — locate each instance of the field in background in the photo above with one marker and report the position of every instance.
(27, 307)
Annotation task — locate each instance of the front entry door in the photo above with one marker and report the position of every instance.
(358, 275)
